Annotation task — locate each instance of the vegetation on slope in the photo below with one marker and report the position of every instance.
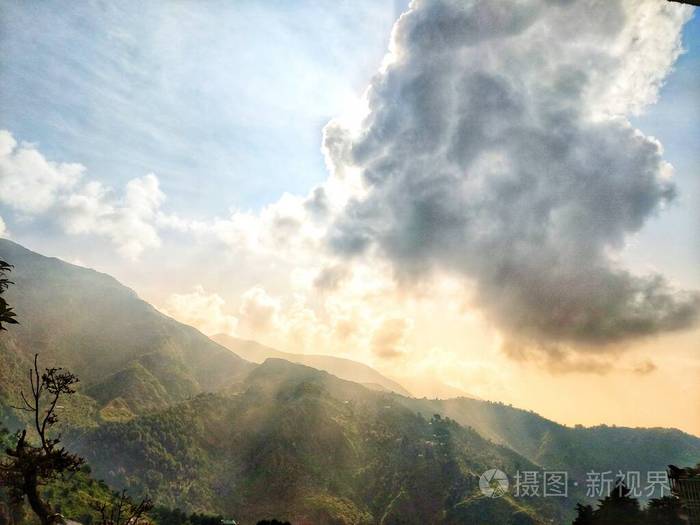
(577, 450)
(280, 440)
(303, 444)
(90, 323)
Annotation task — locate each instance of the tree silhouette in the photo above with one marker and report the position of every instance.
(584, 515)
(29, 466)
(168, 516)
(122, 510)
(664, 511)
(7, 316)
(619, 508)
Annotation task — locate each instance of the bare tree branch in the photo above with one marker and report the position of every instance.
(29, 466)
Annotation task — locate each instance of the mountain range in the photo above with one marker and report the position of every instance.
(342, 368)
(233, 427)
(125, 352)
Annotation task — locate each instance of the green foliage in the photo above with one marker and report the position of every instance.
(302, 444)
(7, 315)
(72, 496)
(278, 439)
(482, 510)
(664, 511)
(619, 508)
(29, 463)
(76, 497)
(167, 516)
(79, 497)
(577, 450)
(584, 515)
(119, 346)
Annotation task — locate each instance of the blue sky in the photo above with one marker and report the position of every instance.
(224, 101)
(671, 241)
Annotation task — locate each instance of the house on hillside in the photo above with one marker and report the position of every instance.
(685, 485)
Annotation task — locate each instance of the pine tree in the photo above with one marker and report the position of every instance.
(664, 511)
(584, 515)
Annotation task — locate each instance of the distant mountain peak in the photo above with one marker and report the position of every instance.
(338, 366)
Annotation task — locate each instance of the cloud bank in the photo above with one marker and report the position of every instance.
(496, 146)
(34, 186)
(495, 156)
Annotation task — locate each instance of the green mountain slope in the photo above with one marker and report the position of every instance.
(577, 450)
(165, 411)
(343, 368)
(119, 345)
(302, 444)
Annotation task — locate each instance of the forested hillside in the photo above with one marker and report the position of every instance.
(302, 444)
(575, 449)
(163, 411)
(127, 354)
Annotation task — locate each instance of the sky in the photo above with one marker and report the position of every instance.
(498, 199)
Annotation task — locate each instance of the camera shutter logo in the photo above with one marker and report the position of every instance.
(493, 483)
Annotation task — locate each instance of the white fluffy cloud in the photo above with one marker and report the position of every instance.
(34, 186)
(129, 221)
(291, 227)
(258, 310)
(497, 147)
(30, 183)
(494, 153)
(3, 229)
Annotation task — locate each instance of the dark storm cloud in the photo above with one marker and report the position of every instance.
(488, 150)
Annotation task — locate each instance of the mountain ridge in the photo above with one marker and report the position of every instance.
(341, 367)
(303, 444)
(166, 412)
(87, 321)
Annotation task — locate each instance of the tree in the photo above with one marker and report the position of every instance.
(664, 511)
(30, 465)
(122, 510)
(584, 515)
(167, 516)
(618, 508)
(7, 316)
